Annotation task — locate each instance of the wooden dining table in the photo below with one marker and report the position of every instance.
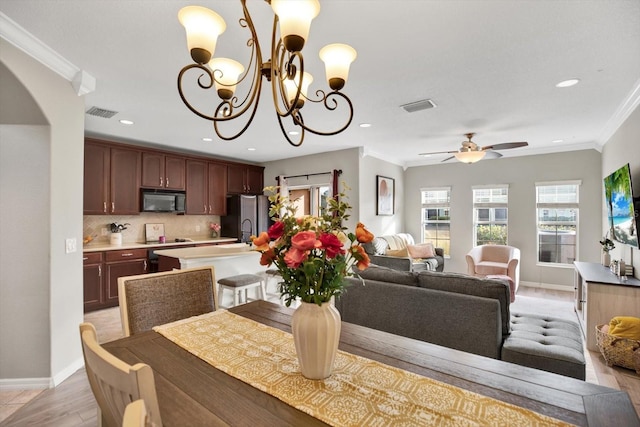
(191, 392)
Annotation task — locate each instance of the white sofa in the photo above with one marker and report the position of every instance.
(392, 251)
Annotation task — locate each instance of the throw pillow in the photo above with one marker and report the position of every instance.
(380, 246)
(625, 327)
(424, 250)
(398, 252)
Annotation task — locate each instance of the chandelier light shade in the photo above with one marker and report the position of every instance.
(295, 18)
(337, 60)
(470, 156)
(203, 27)
(239, 88)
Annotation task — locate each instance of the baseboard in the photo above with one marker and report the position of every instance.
(8, 384)
(547, 286)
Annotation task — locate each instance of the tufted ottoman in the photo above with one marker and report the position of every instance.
(545, 343)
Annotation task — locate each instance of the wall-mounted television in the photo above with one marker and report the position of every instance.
(621, 211)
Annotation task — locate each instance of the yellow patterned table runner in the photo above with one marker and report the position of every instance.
(359, 392)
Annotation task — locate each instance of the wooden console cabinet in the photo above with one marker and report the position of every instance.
(601, 295)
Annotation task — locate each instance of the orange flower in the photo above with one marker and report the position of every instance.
(261, 242)
(362, 234)
(267, 257)
(361, 256)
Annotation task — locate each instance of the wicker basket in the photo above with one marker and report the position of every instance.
(618, 351)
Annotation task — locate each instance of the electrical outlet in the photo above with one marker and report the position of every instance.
(104, 231)
(197, 228)
(70, 245)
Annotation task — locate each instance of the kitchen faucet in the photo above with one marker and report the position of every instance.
(244, 238)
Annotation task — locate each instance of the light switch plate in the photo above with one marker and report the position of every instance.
(70, 245)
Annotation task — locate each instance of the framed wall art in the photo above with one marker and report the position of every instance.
(385, 195)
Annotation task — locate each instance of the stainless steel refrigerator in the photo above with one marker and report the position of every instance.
(246, 216)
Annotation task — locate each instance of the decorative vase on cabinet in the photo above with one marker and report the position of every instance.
(606, 259)
(316, 334)
(116, 239)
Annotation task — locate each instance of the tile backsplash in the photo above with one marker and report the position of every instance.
(174, 226)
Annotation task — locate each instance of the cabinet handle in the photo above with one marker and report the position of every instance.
(129, 254)
(113, 207)
(205, 208)
(145, 264)
(85, 258)
(99, 271)
(161, 184)
(104, 207)
(167, 182)
(210, 210)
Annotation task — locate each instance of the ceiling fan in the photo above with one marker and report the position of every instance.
(470, 152)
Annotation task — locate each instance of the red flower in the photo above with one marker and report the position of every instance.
(305, 241)
(276, 230)
(294, 257)
(331, 244)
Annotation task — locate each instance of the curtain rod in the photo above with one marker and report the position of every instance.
(312, 174)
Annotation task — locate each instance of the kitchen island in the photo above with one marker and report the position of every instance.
(227, 259)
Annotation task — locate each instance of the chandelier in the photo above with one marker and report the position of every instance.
(284, 68)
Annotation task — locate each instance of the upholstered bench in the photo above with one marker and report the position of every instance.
(545, 343)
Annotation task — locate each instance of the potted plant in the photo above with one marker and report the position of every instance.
(607, 245)
(215, 229)
(116, 230)
(313, 254)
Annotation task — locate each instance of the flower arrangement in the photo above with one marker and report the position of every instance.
(214, 226)
(314, 253)
(117, 228)
(607, 244)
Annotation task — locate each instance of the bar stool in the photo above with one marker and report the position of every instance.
(239, 283)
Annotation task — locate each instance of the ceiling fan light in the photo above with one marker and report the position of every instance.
(337, 59)
(470, 156)
(226, 72)
(295, 18)
(203, 26)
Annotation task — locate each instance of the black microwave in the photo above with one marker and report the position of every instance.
(162, 201)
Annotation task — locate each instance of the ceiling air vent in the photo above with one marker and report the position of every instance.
(425, 104)
(101, 112)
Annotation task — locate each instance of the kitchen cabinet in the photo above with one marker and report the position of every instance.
(93, 281)
(245, 179)
(111, 179)
(162, 171)
(206, 187)
(122, 263)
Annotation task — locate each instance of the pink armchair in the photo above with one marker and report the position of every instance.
(489, 260)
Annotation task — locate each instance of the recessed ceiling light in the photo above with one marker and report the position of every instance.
(365, 125)
(558, 140)
(251, 149)
(425, 155)
(568, 83)
(206, 139)
(294, 132)
(126, 122)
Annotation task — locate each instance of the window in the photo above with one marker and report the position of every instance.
(557, 220)
(436, 217)
(490, 215)
(310, 200)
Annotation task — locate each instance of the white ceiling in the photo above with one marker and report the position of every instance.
(490, 66)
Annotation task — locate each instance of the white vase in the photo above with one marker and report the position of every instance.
(606, 259)
(316, 334)
(116, 239)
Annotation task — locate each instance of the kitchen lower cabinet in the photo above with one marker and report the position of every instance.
(93, 281)
(122, 263)
(101, 271)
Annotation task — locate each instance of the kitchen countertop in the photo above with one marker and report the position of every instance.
(95, 247)
(228, 250)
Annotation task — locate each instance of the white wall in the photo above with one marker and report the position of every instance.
(622, 148)
(521, 174)
(28, 342)
(380, 225)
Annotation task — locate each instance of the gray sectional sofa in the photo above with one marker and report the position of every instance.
(462, 312)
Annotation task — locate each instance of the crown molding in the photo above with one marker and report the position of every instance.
(623, 112)
(12, 32)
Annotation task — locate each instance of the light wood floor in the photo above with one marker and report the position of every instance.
(72, 404)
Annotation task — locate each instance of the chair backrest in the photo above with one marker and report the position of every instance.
(135, 415)
(115, 383)
(149, 300)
